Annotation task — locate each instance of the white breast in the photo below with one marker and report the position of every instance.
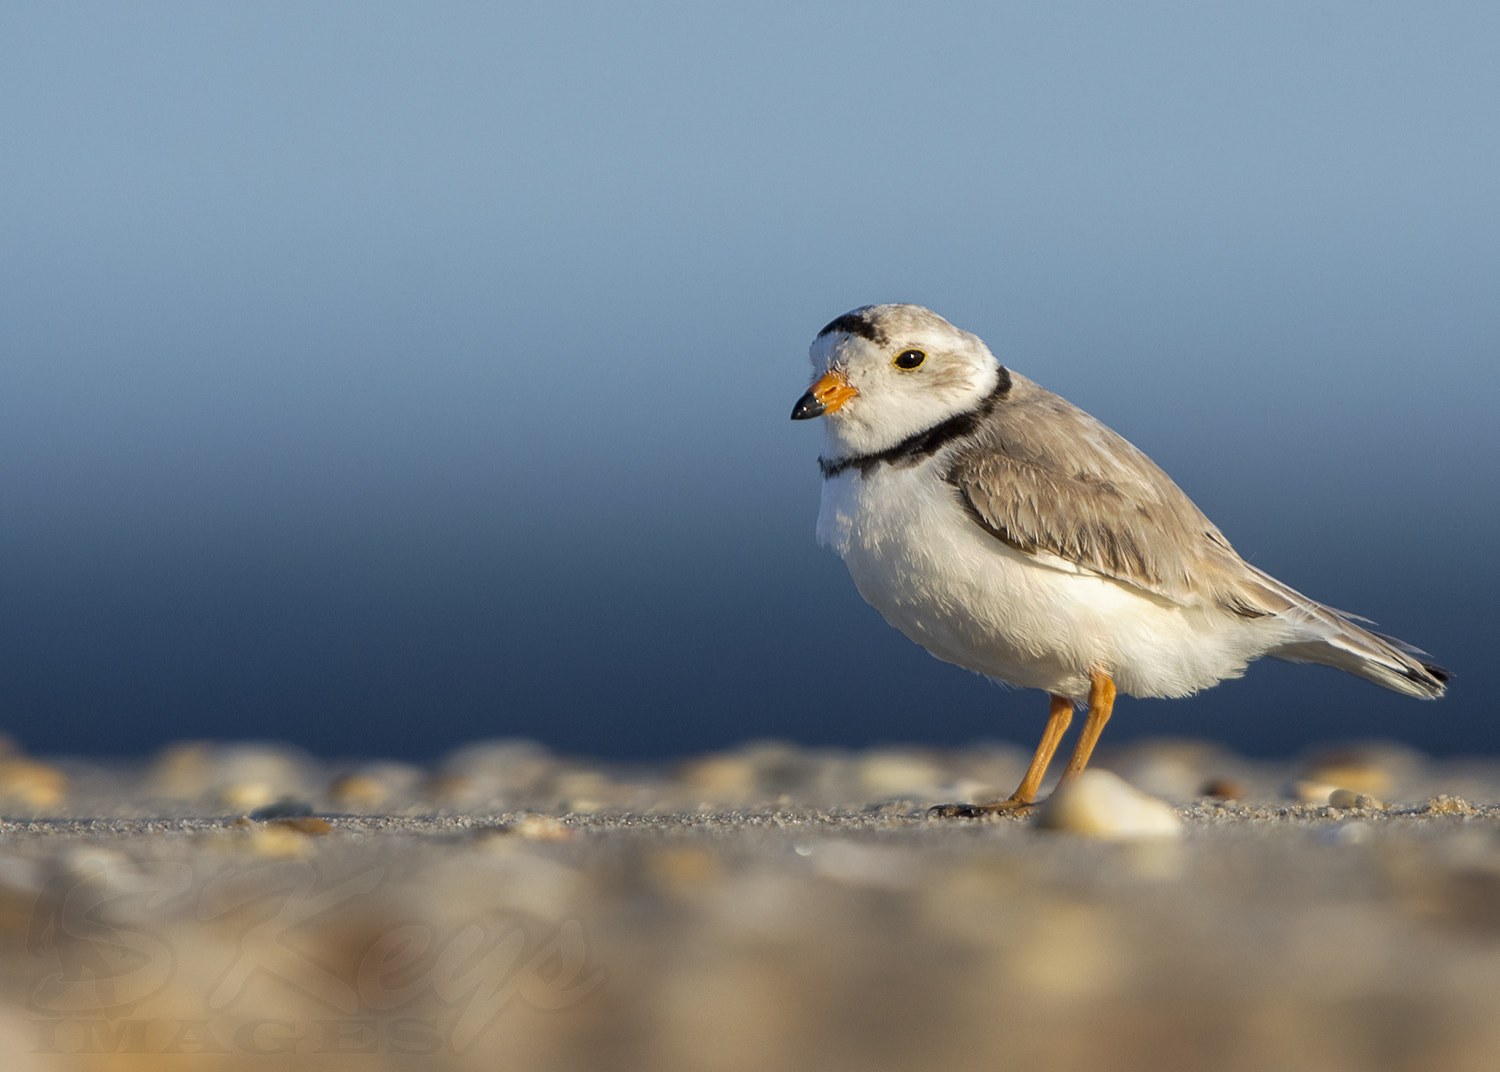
(970, 599)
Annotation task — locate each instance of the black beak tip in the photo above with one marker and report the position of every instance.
(807, 406)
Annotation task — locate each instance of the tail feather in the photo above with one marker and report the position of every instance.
(1374, 656)
(1320, 634)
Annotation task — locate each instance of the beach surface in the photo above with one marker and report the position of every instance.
(246, 906)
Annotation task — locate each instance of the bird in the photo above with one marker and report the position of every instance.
(1007, 531)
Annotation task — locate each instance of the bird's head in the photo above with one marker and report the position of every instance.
(883, 373)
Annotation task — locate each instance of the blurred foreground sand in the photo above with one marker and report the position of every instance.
(771, 908)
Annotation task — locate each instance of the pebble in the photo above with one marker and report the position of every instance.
(1100, 804)
(1348, 798)
(719, 777)
(279, 840)
(37, 785)
(1443, 804)
(583, 791)
(898, 772)
(181, 770)
(376, 785)
(1223, 789)
(359, 791)
(283, 837)
(247, 796)
(1310, 792)
(540, 828)
(762, 771)
(1372, 768)
(241, 776)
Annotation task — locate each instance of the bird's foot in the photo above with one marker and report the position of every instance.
(1009, 806)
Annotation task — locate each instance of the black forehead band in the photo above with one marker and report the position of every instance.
(856, 323)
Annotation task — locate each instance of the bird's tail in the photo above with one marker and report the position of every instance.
(1335, 638)
(1375, 657)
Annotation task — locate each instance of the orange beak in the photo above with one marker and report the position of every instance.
(825, 396)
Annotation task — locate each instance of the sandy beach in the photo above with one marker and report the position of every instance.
(247, 906)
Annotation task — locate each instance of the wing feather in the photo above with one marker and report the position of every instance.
(1046, 478)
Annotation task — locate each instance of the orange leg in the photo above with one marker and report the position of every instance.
(1058, 718)
(1101, 706)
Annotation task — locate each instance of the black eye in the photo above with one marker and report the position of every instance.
(907, 360)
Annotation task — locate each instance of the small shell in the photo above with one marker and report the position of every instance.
(1103, 805)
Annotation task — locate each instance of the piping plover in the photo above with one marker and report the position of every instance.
(1007, 531)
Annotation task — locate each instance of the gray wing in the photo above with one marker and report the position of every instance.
(1045, 477)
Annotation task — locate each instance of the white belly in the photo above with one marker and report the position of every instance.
(970, 599)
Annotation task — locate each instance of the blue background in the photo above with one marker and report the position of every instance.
(380, 376)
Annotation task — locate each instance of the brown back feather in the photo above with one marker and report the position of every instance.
(1044, 476)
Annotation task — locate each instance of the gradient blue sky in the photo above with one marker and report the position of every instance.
(382, 376)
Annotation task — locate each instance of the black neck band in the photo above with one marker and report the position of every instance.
(914, 448)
